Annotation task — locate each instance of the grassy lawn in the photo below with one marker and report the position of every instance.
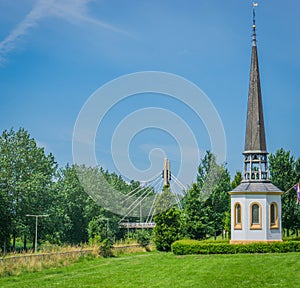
(166, 270)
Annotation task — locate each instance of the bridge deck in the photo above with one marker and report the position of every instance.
(138, 225)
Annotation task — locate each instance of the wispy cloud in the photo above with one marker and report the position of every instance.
(73, 11)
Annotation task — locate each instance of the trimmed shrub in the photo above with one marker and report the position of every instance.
(291, 238)
(184, 247)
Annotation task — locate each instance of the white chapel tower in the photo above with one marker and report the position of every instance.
(256, 202)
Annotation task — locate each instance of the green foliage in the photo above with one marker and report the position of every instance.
(184, 247)
(94, 231)
(31, 184)
(143, 238)
(105, 248)
(195, 222)
(167, 229)
(26, 185)
(284, 172)
(218, 202)
(227, 215)
(207, 200)
(282, 169)
(227, 222)
(71, 203)
(291, 238)
(237, 180)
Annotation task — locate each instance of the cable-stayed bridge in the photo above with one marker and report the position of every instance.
(144, 199)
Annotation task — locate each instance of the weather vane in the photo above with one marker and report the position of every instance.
(255, 4)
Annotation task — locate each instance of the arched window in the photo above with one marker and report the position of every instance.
(255, 216)
(274, 215)
(237, 216)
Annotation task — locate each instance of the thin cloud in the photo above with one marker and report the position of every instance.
(69, 10)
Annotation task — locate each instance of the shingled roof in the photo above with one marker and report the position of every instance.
(255, 129)
(256, 187)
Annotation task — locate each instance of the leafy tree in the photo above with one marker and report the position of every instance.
(207, 201)
(94, 231)
(80, 218)
(218, 202)
(237, 180)
(70, 207)
(104, 226)
(227, 218)
(227, 223)
(282, 169)
(167, 220)
(26, 175)
(195, 220)
(284, 172)
(297, 170)
(6, 215)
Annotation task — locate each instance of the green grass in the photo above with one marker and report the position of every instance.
(167, 270)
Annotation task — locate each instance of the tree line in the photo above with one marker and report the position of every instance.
(32, 183)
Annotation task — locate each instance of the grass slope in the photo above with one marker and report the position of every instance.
(167, 270)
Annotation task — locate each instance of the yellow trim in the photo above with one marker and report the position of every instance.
(255, 193)
(237, 226)
(275, 225)
(259, 225)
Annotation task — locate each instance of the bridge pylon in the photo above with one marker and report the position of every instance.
(166, 173)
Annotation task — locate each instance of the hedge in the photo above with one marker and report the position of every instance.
(184, 247)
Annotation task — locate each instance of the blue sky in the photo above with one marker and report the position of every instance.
(55, 53)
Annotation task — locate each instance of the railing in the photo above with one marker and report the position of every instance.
(137, 224)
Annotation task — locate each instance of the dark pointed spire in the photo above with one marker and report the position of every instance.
(255, 130)
(256, 166)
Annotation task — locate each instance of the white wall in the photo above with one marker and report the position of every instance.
(256, 235)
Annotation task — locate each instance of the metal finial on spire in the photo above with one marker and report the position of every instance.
(255, 4)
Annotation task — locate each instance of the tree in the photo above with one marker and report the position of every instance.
(284, 172)
(195, 220)
(207, 201)
(6, 214)
(72, 202)
(297, 170)
(79, 218)
(167, 220)
(236, 180)
(94, 231)
(104, 226)
(218, 202)
(282, 169)
(26, 176)
(227, 219)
